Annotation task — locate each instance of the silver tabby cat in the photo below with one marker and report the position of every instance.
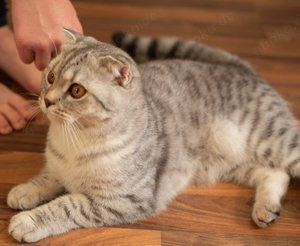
(124, 139)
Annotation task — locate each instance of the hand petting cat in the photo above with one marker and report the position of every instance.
(36, 38)
(38, 26)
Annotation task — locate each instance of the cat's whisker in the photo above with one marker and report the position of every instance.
(75, 132)
(32, 113)
(73, 141)
(78, 125)
(79, 147)
(78, 134)
(53, 44)
(29, 94)
(32, 102)
(71, 133)
(34, 107)
(82, 151)
(67, 137)
(71, 136)
(35, 112)
(64, 134)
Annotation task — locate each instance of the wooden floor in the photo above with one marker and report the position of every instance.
(264, 32)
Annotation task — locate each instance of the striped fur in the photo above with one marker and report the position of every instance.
(188, 114)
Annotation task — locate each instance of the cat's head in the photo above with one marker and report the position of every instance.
(88, 82)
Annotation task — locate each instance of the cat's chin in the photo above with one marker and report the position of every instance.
(59, 120)
(59, 116)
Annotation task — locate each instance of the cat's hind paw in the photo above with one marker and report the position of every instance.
(266, 213)
(24, 228)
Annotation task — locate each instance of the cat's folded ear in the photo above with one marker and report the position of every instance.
(120, 71)
(68, 36)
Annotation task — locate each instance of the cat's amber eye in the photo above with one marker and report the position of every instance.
(77, 91)
(51, 77)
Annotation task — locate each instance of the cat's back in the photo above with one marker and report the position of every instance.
(218, 88)
(193, 96)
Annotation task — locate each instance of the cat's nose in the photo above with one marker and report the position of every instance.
(48, 103)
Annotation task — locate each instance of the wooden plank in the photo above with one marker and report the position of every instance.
(225, 211)
(241, 5)
(129, 12)
(32, 139)
(18, 167)
(95, 236)
(278, 11)
(279, 71)
(279, 48)
(178, 238)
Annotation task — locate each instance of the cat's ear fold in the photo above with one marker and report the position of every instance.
(120, 71)
(68, 36)
(122, 74)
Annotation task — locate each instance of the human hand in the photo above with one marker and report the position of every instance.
(14, 111)
(38, 26)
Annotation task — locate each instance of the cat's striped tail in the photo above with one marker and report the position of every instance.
(143, 49)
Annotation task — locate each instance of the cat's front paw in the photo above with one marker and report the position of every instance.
(24, 228)
(24, 197)
(266, 213)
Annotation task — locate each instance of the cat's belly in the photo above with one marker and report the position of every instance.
(224, 149)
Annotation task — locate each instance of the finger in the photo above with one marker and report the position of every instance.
(5, 128)
(42, 57)
(13, 117)
(79, 28)
(56, 44)
(23, 107)
(26, 55)
(25, 51)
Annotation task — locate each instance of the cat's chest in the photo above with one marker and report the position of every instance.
(66, 145)
(82, 177)
(79, 167)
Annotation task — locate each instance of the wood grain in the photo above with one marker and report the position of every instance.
(95, 236)
(266, 33)
(32, 139)
(189, 239)
(223, 210)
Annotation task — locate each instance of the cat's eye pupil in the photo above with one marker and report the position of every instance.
(77, 90)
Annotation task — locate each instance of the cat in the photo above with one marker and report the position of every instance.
(124, 139)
